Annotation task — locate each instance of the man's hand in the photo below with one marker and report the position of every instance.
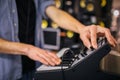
(89, 35)
(43, 56)
(35, 53)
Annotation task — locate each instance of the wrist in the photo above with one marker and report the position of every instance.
(24, 49)
(80, 28)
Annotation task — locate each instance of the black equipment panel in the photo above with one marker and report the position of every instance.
(78, 63)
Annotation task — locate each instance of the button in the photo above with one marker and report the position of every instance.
(15, 24)
(13, 10)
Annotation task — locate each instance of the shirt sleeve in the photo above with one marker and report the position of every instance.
(43, 4)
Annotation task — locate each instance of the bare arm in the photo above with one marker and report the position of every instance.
(12, 47)
(32, 52)
(63, 19)
(87, 34)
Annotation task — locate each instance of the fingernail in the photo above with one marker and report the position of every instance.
(53, 64)
(46, 64)
(96, 46)
(114, 45)
(59, 62)
(91, 48)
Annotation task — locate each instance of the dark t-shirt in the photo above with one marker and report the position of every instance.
(26, 16)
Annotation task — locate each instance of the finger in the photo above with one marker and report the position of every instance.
(86, 41)
(53, 54)
(106, 32)
(47, 58)
(43, 61)
(115, 42)
(109, 37)
(55, 57)
(93, 34)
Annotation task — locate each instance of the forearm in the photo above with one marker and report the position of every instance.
(63, 19)
(8, 47)
(34, 53)
(87, 34)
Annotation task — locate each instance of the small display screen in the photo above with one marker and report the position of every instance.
(50, 37)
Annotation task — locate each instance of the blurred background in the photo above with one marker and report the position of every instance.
(105, 13)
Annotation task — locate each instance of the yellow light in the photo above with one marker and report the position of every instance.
(103, 3)
(57, 3)
(70, 34)
(90, 7)
(44, 24)
(102, 24)
(54, 25)
(82, 4)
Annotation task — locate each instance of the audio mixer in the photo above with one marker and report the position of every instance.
(78, 63)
